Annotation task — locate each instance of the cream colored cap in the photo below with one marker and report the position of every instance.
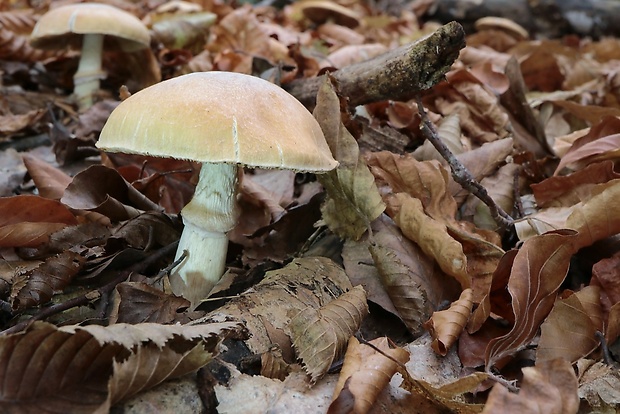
(65, 25)
(219, 117)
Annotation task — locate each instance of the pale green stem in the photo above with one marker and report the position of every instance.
(86, 79)
(210, 214)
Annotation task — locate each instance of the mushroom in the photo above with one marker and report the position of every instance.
(89, 25)
(223, 120)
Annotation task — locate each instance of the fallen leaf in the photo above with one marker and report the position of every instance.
(446, 326)
(538, 269)
(549, 387)
(93, 357)
(365, 373)
(353, 200)
(320, 335)
(37, 286)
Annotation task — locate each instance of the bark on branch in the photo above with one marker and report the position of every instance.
(399, 74)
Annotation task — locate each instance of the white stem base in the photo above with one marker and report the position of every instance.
(207, 217)
(87, 78)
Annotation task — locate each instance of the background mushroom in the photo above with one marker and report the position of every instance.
(223, 120)
(91, 27)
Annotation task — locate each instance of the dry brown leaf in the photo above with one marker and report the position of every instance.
(141, 303)
(558, 191)
(236, 39)
(31, 208)
(481, 162)
(36, 286)
(431, 235)
(449, 130)
(353, 200)
(424, 180)
(501, 189)
(567, 333)
(538, 270)
(550, 387)
(407, 275)
(51, 182)
(112, 196)
(365, 373)
(598, 217)
(320, 335)
(446, 326)
(70, 368)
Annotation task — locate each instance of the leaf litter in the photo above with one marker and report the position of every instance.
(323, 272)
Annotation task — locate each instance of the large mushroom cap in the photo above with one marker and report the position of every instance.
(219, 117)
(65, 25)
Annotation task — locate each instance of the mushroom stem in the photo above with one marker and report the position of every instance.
(89, 73)
(207, 217)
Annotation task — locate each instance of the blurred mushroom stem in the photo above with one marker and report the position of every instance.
(89, 73)
(210, 214)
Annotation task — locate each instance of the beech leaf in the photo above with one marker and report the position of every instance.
(538, 270)
(365, 373)
(320, 335)
(353, 200)
(72, 368)
(38, 285)
(446, 326)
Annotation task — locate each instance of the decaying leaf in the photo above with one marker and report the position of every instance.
(37, 286)
(549, 387)
(267, 308)
(537, 271)
(407, 274)
(446, 326)
(448, 396)
(353, 200)
(365, 373)
(599, 386)
(99, 364)
(141, 303)
(320, 335)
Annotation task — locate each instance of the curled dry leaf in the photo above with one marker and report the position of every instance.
(51, 182)
(365, 373)
(549, 387)
(568, 332)
(446, 326)
(353, 200)
(538, 270)
(37, 286)
(431, 235)
(98, 362)
(103, 190)
(320, 335)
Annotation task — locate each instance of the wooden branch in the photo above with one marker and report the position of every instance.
(399, 74)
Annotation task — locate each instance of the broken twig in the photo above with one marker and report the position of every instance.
(461, 174)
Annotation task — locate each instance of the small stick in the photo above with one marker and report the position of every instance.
(461, 174)
(97, 293)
